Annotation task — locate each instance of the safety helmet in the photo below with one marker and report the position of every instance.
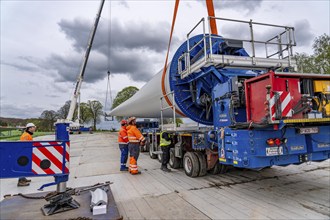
(130, 119)
(30, 125)
(123, 122)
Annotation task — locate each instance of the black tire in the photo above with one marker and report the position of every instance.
(174, 162)
(147, 146)
(144, 148)
(223, 168)
(191, 164)
(152, 156)
(160, 157)
(216, 169)
(202, 163)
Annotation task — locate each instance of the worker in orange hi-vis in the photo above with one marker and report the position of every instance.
(123, 145)
(26, 136)
(135, 139)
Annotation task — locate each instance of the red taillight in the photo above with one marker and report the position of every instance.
(278, 141)
(270, 142)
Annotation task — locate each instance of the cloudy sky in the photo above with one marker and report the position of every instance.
(43, 43)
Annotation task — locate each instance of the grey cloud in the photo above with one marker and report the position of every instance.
(68, 67)
(236, 31)
(141, 35)
(139, 66)
(77, 31)
(123, 3)
(246, 6)
(127, 50)
(136, 49)
(20, 111)
(20, 66)
(133, 35)
(303, 32)
(52, 96)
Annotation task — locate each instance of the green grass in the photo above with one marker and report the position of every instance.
(15, 135)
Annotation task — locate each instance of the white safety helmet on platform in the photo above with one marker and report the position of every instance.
(30, 125)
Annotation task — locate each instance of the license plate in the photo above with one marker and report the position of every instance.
(274, 151)
(310, 130)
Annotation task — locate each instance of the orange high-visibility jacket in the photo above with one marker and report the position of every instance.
(122, 135)
(26, 137)
(134, 135)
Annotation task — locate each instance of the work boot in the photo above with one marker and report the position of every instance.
(165, 169)
(124, 169)
(139, 172)
(23, 183)
(26, 180)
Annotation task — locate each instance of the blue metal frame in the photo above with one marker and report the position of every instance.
(202, 82)
(10, 152)
(248, 148)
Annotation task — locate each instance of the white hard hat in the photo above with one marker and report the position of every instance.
(30, 125)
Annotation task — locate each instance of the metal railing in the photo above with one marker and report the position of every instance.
(162, 108)
(279, 40)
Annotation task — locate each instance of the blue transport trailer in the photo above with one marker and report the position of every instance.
(257, 111)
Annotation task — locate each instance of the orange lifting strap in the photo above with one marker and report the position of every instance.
(168, 50)
(210, 11)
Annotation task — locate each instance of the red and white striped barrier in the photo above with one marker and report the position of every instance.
(50, 157)
(285, 101)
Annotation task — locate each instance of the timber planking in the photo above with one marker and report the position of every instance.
(292, 192)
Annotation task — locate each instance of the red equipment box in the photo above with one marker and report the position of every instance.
(273, 95)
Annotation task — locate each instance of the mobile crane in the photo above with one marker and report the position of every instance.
(51, 158)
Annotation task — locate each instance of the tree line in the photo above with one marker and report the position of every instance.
(90, 112)
(319, 61)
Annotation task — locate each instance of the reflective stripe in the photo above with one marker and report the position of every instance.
(134, 141)
(122, 142)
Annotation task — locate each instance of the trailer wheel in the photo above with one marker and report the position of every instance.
(147, 146)
(219, 168)
(152, 155)
(174, 162)
(191, 164)
(160, 157)
(202, 164)
(144, 148)
(216, 169)
(223, 168)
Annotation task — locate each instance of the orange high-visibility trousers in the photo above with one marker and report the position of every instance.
(133, 169)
